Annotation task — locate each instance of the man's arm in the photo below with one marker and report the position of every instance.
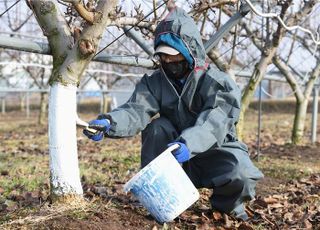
(133, 116)
(218, 117)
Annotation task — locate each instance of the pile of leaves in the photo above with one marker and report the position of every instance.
(296, 206)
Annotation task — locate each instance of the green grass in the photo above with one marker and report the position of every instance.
(25, 173)
(286, 169)
(105, 167)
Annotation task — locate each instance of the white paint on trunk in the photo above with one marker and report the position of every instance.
(64, 167)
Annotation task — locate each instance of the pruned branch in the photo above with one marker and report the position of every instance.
(215, 58)
(205, 5)
(312, 79)
(89, 15)
(128, 21)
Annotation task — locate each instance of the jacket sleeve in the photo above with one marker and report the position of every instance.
(133, 116)
(219, 115)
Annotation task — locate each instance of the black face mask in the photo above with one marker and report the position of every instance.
(176, 70)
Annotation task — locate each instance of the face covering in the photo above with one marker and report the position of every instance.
(176, 70)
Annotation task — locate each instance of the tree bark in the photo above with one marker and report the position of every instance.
(299, 121)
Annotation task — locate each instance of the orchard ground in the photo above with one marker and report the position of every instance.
(287, 198)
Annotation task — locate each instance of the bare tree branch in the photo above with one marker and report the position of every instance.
(127, 21)
(290, 77)
(90, 15)
(205, 5)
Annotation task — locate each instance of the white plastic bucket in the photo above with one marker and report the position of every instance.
(163, 188)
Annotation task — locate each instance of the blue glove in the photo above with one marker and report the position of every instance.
(101, 126)
(182, 154)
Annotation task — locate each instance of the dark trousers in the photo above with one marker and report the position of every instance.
(228, 169)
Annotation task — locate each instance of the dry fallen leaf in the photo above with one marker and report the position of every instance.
(270, 200)
(307, 224)
(288, 217)
(227, 222)
(275, 205)
(245, 226)
(205, 217)
(216, 216)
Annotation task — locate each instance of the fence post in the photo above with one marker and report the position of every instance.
(314, 114)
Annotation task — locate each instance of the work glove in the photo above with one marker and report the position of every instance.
(181, 154)
(97, 129)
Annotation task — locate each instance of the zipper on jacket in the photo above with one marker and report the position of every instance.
(183, 89)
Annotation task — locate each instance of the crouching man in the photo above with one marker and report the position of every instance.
(198, 106)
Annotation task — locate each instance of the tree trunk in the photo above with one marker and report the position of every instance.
(43, 108)
(69, 62)
(106, 104)
(299, 121)
(3, 106)
(64, 170)
(270, 89)
(258, 73)
(22, 102)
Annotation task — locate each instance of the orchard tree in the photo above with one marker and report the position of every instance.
(72, 51)
(268, 44)
(302, 92)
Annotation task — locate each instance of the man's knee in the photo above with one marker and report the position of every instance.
(239, 184)
(230, 182)
(159, 127)
(155, 139)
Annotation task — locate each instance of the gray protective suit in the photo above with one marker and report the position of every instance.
(203, 116)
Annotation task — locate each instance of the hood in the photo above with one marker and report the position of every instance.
(179, 25)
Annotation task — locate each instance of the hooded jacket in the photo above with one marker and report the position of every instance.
(206, 111)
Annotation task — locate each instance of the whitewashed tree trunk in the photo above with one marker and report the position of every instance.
(71, 56)
(64, 170)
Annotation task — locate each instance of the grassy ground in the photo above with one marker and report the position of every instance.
(291, 183)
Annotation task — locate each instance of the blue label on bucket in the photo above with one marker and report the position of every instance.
(158, 197)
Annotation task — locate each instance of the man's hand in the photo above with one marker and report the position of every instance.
(182, 154)
(101, 126)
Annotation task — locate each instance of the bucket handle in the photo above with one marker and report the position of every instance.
(173, 147)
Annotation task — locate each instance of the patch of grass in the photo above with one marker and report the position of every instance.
(259, 227)
(106, 167)
(285, 169)
(25, 173)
